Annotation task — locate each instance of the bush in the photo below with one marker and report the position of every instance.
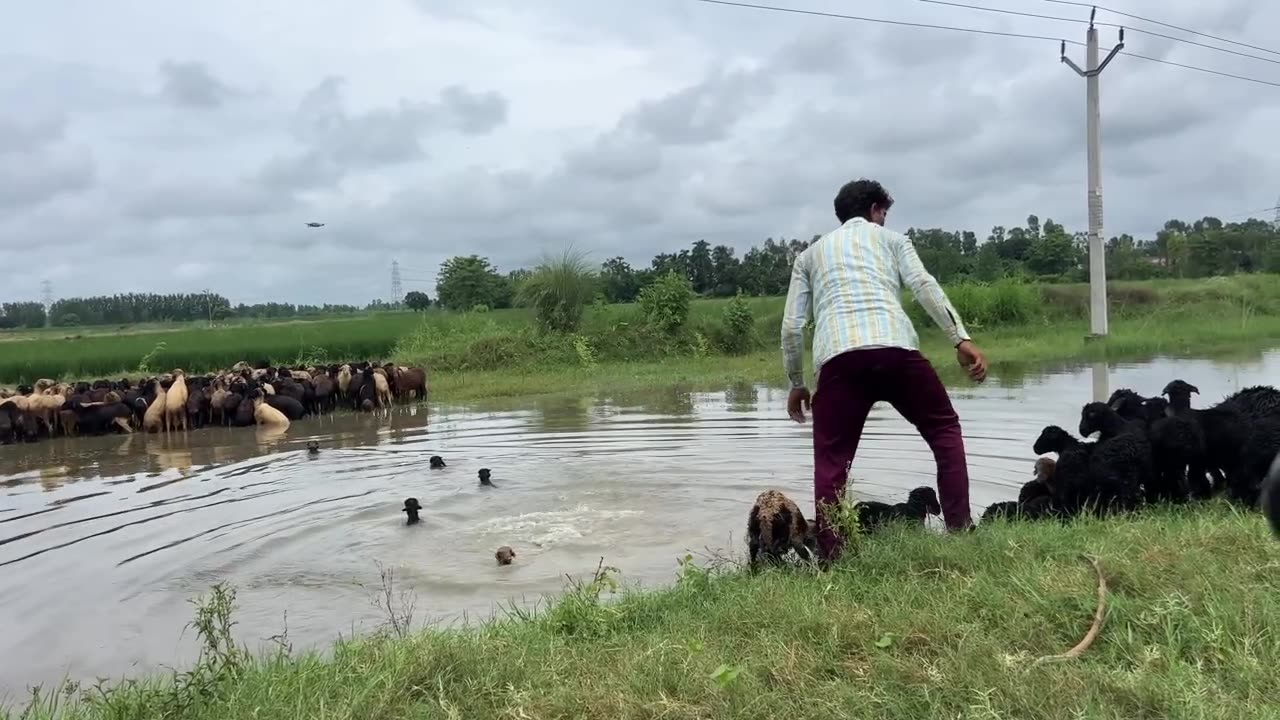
(665, 302)
(738, 327)
(558, 290)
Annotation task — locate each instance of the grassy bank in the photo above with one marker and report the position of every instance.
(914, 625)
(496, 353)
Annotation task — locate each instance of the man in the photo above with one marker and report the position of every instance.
(865, 349)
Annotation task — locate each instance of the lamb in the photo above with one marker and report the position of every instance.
(1040, 485)
(1035, 508)
(484, 478)
(920, 502)
(504, 555)
(437, 462)
(1260, 450)
(776, 525)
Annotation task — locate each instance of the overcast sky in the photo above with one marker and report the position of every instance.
(155, 146)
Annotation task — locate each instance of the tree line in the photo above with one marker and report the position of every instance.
(132, 308)
(1041, 251)
(1037, 251)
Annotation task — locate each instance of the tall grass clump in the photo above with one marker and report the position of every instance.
(558, 291)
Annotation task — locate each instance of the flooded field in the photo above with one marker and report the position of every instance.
(103, 541)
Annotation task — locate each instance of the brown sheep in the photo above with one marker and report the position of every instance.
(153, 419)
(175, 403)
(267, 416)
(776, 525)
(504, 555)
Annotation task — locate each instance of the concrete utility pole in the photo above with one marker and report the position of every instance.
(1097, 249)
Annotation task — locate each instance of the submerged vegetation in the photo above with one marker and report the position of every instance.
(911, 625)
(1013, 321)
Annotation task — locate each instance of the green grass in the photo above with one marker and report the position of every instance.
(913, 625)
(488, 354)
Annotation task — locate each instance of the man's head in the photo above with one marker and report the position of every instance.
(863, 198)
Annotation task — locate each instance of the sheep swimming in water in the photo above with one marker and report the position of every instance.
(412, 506)
(776, 525)
(437, 462)
(484, 478)
(313, 447)
(920, 502)
(504, 555)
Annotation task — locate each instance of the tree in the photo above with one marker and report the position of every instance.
(416, 301)
(470, 281)
(618, 282)
(1053, 252)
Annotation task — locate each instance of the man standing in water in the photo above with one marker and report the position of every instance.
(865, 349)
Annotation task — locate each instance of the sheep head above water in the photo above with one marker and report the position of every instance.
(484, 477)
(504, 555)
(412, 507)
(437, 462)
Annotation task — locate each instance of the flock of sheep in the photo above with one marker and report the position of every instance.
(1148, 450)
(1153, 450)
(175, 402)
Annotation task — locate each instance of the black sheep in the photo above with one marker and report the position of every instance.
(1120, 465)
(412, 506)
(1178, 451)
(1036, 508)
(775, 526)
(1258, 401)
(1225, 429)
(292, 409)
(920, 502)
(1260, 450)
(437, 462)
(484, 478)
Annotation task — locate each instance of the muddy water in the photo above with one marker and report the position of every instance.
(103, 541)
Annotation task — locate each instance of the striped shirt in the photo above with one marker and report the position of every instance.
(852, 277)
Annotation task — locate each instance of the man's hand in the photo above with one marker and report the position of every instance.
(972, 360)
(797, 403)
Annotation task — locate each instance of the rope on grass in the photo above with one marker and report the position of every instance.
(1095, 629)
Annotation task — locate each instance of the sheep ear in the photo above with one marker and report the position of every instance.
(1115, 404)
(1194, 389)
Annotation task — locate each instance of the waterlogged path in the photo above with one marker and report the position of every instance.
(104, 541)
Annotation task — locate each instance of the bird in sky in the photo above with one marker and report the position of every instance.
(315, 224)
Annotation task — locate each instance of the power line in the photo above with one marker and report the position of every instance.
(1204, 70)
(976, 31)
(903, 23)
(1076, 3)
(1079, 21)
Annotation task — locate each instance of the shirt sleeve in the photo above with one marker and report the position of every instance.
(794, 315)
(926, 290)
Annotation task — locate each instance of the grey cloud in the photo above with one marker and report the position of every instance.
(28, 180)
(26, 135)
(340, 141)
(704, 112)
(692, 122)
(191, 85)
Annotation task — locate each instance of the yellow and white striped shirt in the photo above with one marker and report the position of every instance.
(852, 277)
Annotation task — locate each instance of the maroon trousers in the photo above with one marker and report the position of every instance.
(848, 385)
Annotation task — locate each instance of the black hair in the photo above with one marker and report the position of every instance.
(856, 198)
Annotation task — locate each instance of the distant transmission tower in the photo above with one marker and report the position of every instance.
(46, 292)
(1276, 223)
(396, 290)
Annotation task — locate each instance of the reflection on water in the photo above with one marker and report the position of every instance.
(104, 540)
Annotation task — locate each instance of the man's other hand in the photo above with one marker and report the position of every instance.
(797, 403)
(972, 360)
